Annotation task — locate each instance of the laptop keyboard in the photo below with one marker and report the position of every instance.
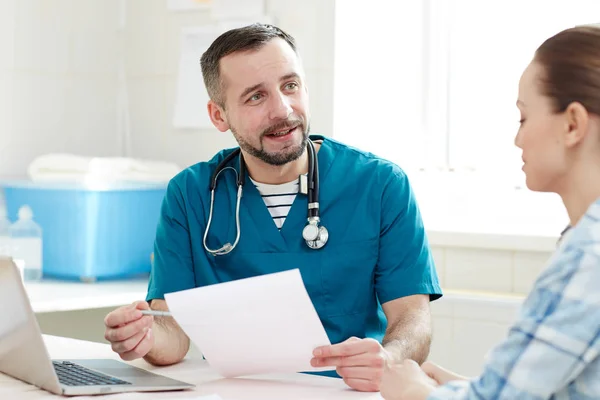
(76, 375)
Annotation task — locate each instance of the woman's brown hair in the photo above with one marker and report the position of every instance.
(571, 63)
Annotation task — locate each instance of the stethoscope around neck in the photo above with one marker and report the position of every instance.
(314, 235)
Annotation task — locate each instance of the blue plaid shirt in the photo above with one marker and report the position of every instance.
(551, 351)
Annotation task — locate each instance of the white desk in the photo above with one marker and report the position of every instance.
(193, 370)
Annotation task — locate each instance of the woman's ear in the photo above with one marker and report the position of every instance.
(217, 116)
(578, 121)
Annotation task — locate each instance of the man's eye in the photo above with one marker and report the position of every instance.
(255, 97)
(291, 86)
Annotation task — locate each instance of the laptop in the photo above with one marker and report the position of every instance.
(23, 354)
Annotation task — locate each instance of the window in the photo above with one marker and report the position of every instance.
(378, 77)
(490, 45)
(432, 86)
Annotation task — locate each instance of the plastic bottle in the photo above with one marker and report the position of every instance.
(26, 239)
(5, 243)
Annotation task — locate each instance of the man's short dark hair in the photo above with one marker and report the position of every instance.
(251, 37)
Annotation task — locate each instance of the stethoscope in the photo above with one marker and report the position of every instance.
(315, 235)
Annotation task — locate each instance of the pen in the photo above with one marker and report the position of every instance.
(156, 313)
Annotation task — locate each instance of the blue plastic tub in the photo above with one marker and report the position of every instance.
(91, 233)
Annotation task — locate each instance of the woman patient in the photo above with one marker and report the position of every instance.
(552, 349)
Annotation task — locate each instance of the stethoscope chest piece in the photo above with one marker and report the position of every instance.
(316, 236)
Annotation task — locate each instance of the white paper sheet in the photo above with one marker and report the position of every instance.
(192, 97)
(184, 5)
(251, 326)
(237, 9)
(225, 25)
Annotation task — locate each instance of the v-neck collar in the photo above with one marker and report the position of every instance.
(277, 240)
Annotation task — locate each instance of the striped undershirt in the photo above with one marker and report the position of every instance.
(278, 199)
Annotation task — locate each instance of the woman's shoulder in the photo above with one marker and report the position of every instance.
(575, 265)
(584, 237)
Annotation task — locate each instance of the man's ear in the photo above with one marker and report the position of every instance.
(217, 116)
(578, 121)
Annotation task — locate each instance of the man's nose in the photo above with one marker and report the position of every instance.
(281, 107)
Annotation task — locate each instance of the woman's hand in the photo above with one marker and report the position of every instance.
(406, 381)
(439, 374)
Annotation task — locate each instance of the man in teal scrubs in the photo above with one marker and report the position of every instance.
(371, 283)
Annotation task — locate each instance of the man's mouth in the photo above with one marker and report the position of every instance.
(283, 132)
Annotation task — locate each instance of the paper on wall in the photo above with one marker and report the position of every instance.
(222, 10)
(192, 97)
(225, 25)
(183, 5)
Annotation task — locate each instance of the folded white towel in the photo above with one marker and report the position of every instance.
(59, 167)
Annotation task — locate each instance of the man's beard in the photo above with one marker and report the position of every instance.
(280, 158)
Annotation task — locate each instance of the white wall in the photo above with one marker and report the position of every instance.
(58, 77)
(58, 71)
(467, 326)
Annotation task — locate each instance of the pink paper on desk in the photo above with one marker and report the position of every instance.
(252, 326)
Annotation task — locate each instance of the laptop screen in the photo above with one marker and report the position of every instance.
(23, 354)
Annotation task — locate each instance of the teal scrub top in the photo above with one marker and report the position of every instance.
(377, 249)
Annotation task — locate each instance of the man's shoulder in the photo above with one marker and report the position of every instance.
(202, 170)
(370, 163)
(197, 175)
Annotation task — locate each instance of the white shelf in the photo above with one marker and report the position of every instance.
(494, 239)
(54, 296)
